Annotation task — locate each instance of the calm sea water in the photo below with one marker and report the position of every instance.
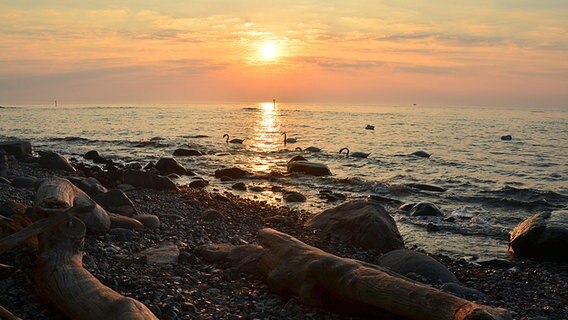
(492, 184)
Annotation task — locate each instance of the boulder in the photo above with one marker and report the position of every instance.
(24, 182)
(116, 201)
(187, 153)
(19, 149)
(234, 173)
(422, 154)
(52, 160)
(293, 196)
(310, 168)
(507, 137)
(93, 154)
(198, 184)
(541, 236)
(426, 209)
(90, 185)
(170, 165)
(417, 266)
(239, 186)
(149, 221)
(142, 179)
(362, 223)
(297, 158)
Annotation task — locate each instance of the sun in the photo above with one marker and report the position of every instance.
(269, 50)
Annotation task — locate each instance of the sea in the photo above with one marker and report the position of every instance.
(491, 185)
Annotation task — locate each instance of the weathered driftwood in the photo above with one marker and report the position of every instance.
(319, 278)
(60, 275)
(58, 194)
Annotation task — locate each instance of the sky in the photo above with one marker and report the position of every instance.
(395, 52)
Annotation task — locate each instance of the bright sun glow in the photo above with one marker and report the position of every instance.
(269, 50)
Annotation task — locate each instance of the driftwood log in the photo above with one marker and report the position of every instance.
(320, 278)
(64, 213)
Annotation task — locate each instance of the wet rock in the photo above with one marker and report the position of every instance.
(507, 137)
(90, 185)
(422, 154)
(186, 153)
(427, 187)
(11, 207)
(406, 207)
(19, 149)
(116, 201)
(90, 155)
(212, 215)
(52, 160)
(426, 209)
(293, 196)
(24, 182)
(170, 165)
(198, 184)
(417, 266)
(362, 223)
(102, 160)
(133, 166)
(541, 236)
(234, 173)
(239, 186)
(256, 188)
(147, 180)
(149, 221)
(297, 158)
(310, 168)
(225, 178)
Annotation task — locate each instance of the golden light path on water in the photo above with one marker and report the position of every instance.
(266, 137)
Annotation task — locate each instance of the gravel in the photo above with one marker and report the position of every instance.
(193, 289)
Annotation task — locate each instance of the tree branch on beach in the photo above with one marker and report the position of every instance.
(321, 279)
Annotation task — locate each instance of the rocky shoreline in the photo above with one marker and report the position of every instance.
(194, 289)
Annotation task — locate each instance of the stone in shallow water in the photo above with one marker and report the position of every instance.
(310, 168)
(239, 186)
(362, 223)
(186, 153)
(541, 236)
(426, 209)
(170, 165)
(234, 173)
(293, 196)
(52, 160)
(19, 149)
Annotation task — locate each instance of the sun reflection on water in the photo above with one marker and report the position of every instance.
(266, 137)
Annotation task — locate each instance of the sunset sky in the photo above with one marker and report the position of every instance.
(471, 53)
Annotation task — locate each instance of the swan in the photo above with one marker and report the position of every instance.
(309, 149)
(288, 140)
(238, 141)
(370, 127)
(355, 154)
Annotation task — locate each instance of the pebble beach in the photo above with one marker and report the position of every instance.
(194, 289)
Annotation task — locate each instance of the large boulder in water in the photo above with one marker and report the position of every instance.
(52, 160)
(362, 223)
(143, 179)
(19, 149)
(310, 168)
(186, 153)
(541, 236)
(170, 165)
(426, 209)
(234, 173)
(417, 266)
